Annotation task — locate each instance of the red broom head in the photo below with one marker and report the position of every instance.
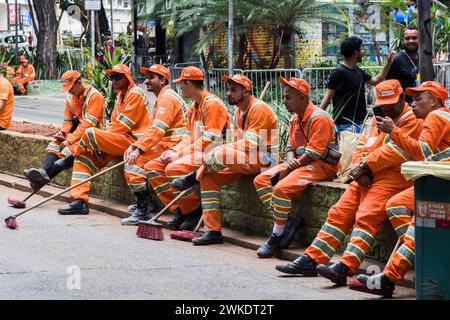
(361, 287)
(184, 235)
(11, 222)
(153, 231)
(16, 203)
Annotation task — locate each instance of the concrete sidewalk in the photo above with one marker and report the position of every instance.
(234, 237)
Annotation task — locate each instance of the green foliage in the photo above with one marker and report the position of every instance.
(283, 117)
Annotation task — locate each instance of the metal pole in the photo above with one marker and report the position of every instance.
(93, 34)
(230, 37)
(17, 35)
(112, 23)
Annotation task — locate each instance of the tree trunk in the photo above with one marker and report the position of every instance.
(46, 51)
(242, 47)
(286, 48)
(425, 44)
(103, 22)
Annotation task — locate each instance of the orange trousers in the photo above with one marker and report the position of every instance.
(21, 84)
(222, 166)
(55, 147)
(86, 164)
(160, 178)
(364, 210)
(279, 199)
(399, 210)
(403, 258)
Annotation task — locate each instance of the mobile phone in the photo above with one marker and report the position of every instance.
(378, 112)
(274, 179)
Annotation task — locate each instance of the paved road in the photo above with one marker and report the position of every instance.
(46, 108)
(114, 264)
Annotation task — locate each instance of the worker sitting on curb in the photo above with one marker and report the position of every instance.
(312, 156)
(207, 120)
(24, 74)
(254, 129)
(167, 129)
(433, 145)
(84, 109)
(96, 148)
(6, 103)
(376, 174)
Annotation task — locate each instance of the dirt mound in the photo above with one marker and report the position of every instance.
(46, 130)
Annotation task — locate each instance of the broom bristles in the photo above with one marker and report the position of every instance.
(11, 222)
(16, 203)
(150, 230)
(361, 287)
(184, 235)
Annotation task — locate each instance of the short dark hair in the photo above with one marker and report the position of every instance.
(350, 45)
(197, 83)
(411, 28)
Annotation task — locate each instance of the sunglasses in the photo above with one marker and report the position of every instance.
(116, 76)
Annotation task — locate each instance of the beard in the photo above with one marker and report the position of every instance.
(411, 50)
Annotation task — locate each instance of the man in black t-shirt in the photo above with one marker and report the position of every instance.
(347, 86)
(405, 67)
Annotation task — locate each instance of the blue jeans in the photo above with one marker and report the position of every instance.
(349, 127)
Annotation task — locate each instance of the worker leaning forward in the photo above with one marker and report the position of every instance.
(24, 74)
(207, 121)
(312, 156)
(84, 109)
(433, 145)
(254, 135)
(377, 177)
(167, 129)
(96, 148)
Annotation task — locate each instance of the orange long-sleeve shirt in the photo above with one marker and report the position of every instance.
(131, 114)
(256, 127)
(382, 155)
(434, 140)
(168, 121)
(89, 109)
(26, 74)
(318, 125)
(206, 123)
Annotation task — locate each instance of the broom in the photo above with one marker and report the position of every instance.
(152, 229)
(16, 203)
(185, 235)
(11, 220)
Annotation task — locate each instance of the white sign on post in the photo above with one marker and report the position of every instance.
(94, 5)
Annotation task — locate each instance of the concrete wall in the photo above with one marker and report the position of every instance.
(241, 207)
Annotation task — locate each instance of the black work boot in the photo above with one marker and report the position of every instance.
(39, 176)
(378, 284)
(270, 248)
(33, 184)
(191, 219)
(185, 182)
(303, 265)
(75, 207)
(141, 213)
(337, 273)
(177, 220)
(290, 229)
(64, 163)
(210, 237)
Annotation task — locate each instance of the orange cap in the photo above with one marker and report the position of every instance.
(434, 88)
(190, 73)
(123, 69)
(68, 79)
(298, 84)
(388, 92)
(157, 68)
(239, 79)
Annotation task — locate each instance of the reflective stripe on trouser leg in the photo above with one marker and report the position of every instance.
(135, 174)
(403, 259)
(370, 218)
(341, 218)
(263, 186)
(55, 147)
(157, 179)
(399, 210)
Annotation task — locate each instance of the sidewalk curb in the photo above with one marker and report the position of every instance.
(237, 238)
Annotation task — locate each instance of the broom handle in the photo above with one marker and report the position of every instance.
(30, 195)
(199, 224)
(263, 93)
(159, 214)
(397, 245)
(70, 188)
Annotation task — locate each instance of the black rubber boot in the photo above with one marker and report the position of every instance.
(191, 220)
(303, 265)
(185, 182)
(210, 237)
(337, 273)
(290, 229)
(75, 207)
(270, 248)
(177, 220)
(141, 213)
(378, 284)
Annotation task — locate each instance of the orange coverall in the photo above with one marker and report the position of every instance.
(129, 121)
(206, 123)
(7, 95)
(319, 127)
(433, 145)
(360, 208)
(255, 132)
(168, 127)
(88, 109)
(23, 76)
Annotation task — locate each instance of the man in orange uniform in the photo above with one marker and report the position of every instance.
(6, 103)
(85, 107)
(377, 177)
(168, 127)
(207, 120)
(433, 145)
(255, 134)
(9, 72)
(24, 74)
(96, 148)
(312, 134)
